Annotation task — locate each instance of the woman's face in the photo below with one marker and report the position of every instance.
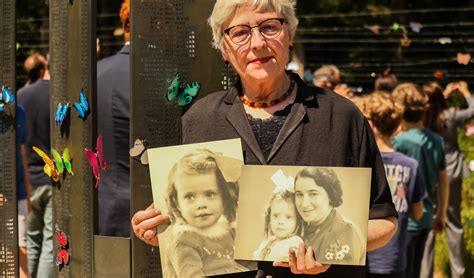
(312, 201)
(199, 199)
(282, 218)
(259, 59)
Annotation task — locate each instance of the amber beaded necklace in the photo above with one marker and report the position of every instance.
(270, 103)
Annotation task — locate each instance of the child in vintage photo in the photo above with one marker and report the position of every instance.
(202, 208)
(283, 225)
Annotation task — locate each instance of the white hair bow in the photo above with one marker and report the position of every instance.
(283, 183)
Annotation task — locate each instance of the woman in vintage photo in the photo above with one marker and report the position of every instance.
(283, 227)
(281, 121)
(333, 238)
(202, 207)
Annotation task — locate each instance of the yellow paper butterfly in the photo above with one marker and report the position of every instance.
(49, 167)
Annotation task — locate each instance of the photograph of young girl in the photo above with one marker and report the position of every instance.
(323, 207)
(195, 185)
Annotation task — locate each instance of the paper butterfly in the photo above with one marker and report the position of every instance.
(469, 130)
(97, 159)
(374, 28)
(61, 113)
(405, 41)
(83, 107)
(416, 26)
(7, 97)
(62, 258)
(184, 95)
(463, 58)
(139, 149)
(49, 166)
(445, 40)
(62, 161)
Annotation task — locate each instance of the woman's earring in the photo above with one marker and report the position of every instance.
(226, 62)
(291, 47)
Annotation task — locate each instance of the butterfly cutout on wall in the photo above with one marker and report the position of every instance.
(184, 95)
(445, 40)
(438, 74)
(62, 258)
(416, 26)
(62, 161)
(469, 129)
(61, 113)
(83, 106)
(374, 28)
(405, 41)
(139, 149)
(463, 58)
(97, 159)
(49, 166)
(6, 97)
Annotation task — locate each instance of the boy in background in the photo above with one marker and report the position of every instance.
(427, 148)
(406, 184)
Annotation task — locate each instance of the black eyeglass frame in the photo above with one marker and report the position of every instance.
(227, 31)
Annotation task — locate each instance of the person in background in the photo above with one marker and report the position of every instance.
(427, 148)
(23, 191)
(281, 121)
(405, 180)
(34, 67)
(329, 77)
(386, 82)
(113, 121)
(445, 117)
(35, 98)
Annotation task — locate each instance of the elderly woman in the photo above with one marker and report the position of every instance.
(333, 238)
(281, 121)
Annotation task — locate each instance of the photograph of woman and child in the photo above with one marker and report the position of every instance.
(306, 205)
(200, 196)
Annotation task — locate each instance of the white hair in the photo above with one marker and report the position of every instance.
(224, 9)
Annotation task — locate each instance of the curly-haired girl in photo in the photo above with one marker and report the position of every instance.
(202, 207)
(283, 227)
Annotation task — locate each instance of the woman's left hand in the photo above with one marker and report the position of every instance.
(302, 261)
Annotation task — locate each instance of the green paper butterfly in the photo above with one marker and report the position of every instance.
(62, 161)
(184, 95)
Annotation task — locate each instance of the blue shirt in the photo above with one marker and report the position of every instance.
(20, 139)
(407, 186)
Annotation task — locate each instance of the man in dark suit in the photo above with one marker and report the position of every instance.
(113, 98)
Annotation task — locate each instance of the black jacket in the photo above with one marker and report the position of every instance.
(113, 100)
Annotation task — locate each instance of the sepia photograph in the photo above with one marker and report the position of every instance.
(326, 208)
(196, 186)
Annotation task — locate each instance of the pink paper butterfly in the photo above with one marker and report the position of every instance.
(97, 159)
(463, 58)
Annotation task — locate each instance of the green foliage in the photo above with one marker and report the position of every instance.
(467, 217)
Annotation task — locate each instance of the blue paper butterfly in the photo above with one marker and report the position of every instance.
(184, 95)
(61, 113)
(7, 97)
(83, 107)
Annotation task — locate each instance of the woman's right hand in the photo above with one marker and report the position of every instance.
(145, 222)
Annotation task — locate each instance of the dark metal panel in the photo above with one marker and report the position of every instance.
(8, 190)
(72, 38)
(112, 257)
(168, 36)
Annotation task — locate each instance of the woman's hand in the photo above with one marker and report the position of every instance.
(302, 261)
(145, 222)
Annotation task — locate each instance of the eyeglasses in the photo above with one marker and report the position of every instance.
(269, 29)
